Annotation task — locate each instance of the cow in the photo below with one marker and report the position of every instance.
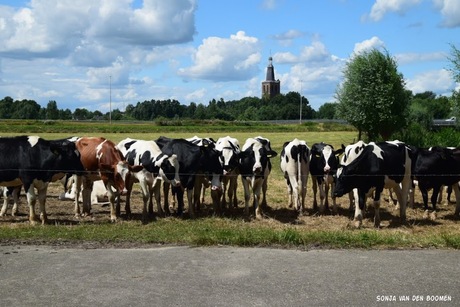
(202, 181)
(324, 162)
(255, 167)
(351, 152)
(295, 165)
(98, 192)
(230, 149)
(10, 192)
(380, 165)
(101, 160)
(433, 168)
(157, 167)
(193, 160)
(34, 162)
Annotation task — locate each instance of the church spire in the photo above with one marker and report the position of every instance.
(270, 70)
(270, 87)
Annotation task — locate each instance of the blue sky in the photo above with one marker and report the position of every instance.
(74, 51)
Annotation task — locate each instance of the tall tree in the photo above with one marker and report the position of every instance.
(454, 60)
(372, 97)
(52, 111)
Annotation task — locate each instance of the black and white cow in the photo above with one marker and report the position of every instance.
(324, 162)
(8, 193)
(204, 181)
(255, 167)
(193, 160)
(379, 166)
(433, 168)
(35, 162)
(295, 165)
(350, 153)
(229, 149)
(157, 167)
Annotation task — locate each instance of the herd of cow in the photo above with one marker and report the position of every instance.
(188, 166)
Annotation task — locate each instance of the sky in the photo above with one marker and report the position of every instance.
(103, 55)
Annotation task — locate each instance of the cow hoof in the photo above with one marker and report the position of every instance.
(426, 214)
(358, 224)
(433, 216)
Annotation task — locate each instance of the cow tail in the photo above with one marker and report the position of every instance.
(299, 164)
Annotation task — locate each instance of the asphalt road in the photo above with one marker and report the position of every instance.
(226, 276)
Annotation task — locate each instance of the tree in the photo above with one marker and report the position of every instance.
(372, 97)
(454, 59)
(327, 110)
(52, 111)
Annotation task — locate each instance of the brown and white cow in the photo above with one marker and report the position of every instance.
(101, 160)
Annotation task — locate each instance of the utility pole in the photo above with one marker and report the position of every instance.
(110, 100)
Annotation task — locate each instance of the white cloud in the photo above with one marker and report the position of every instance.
(382, 7)
(368, 44)
(225, 59)
(450, 10)
(408, 58)
(60, 27)
(316, 52)
(438, 81)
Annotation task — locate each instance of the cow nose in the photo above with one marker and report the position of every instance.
(327, 169)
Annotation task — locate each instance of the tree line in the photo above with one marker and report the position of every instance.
(424, 107)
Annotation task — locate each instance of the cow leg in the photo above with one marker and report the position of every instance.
(111, 195)
(155, 193)
(434, 198)
(456, 190)
(180, 200)
(257, 205)
(5, 201)
(378, 192)
(225, 189)
(264, 193)
(334, 203)
(15, 195)
(76, 187)
(322, 205)
(129, 189)
(42, 202)
(166, 188)
(199, 181)
(31, 200)
(424, 193)
(290, 193)
(232, 192)
(315, 190)
(191, 209)
(360, 197)
(86, 195)
(146, 200)
(247, 195)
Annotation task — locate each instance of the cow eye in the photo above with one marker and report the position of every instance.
(318, 156)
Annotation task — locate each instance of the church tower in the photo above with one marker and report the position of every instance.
(270, 87)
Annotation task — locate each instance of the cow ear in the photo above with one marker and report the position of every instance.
(136, 168)
(272, 154)
(340, 151)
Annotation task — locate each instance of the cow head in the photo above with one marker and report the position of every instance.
(324, 159)
(254, 160)
(118, 174)
(168, 168)
(229, 151)
(68, 157)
